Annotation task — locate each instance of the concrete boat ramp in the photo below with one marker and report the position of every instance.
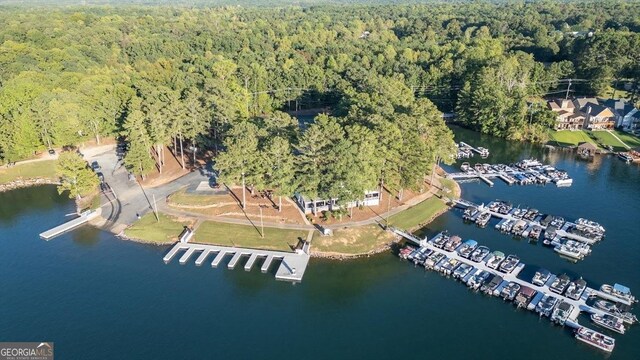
(84, 218)
(292, 266)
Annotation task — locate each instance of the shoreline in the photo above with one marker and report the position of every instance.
(343, 257)
(27, 183)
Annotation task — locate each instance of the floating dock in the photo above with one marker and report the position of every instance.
(84, 218)
(292, 266)
(508, 217)
(579, 305)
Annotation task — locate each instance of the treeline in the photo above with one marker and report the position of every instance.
(172, 76)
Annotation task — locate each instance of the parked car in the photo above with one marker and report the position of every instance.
(95, 166)
(100, 176)
(52, 152)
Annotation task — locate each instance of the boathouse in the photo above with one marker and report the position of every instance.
(313, 206)
(587, 149)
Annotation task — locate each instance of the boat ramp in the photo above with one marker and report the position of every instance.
(84, 218)
(292, 265)
(573, 305)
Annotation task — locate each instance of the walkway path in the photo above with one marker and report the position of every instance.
(616, 136)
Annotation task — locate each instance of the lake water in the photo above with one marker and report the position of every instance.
(98, 297)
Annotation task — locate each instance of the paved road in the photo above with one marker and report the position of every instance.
(129, 199)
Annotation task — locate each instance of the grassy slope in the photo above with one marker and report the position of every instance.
(38, 169)
(629, 139)
(570, 138)
(211, 232)
(148, 229)
(606, 138)
(352, 241)
(418, 214)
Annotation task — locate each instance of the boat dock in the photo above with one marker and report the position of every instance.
(525, 172)
(578, 305)
(292, 266)
(466, 151)
(84, 218)
(562, 232)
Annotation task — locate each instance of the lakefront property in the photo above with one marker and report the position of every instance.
(161, 165)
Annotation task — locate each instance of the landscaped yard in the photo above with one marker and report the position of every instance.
(149, 229)
(417, 215)
(38, 169)
(570, 138)
(628, 139)
(605, 138)
(218, 233)
(352, 241)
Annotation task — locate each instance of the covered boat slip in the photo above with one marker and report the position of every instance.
(291, 268)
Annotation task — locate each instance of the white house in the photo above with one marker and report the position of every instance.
(313, 206)
(623, 112)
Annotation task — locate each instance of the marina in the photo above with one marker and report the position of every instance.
(292, 264)
(558, 298)
(572, 240)
(524, 172)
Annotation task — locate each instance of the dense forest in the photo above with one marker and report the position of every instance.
(223, 79)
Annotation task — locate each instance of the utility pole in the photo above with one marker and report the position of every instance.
(388, 209)
(244, 201)
(566, 96)
(155, 208)
(261, 224)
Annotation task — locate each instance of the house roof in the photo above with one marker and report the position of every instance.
(581, 102)
(620, 107)
(597, 110)
(587, 146)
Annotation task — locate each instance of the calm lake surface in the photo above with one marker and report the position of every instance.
(98, 297)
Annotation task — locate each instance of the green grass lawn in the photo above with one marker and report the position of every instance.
(418, 214)
(211, 232)
(570, 138)
(149, 229)
(38, 169)
(605, 138)
(628, 139)
(352, 241)
(182, 197)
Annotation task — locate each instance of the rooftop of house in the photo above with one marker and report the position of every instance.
(620, 107)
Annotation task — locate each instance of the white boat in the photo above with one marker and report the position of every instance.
(596, 339)
(541, 277)
(495, 260)
(509, 264)
(569, 252)
(619, 291)
(609, 322)
(612, 309)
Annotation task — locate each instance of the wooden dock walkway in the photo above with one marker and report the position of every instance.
(292, 266)
(84, 218)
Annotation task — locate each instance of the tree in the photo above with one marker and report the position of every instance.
(75, 176)
(137, 160)
(280, 167)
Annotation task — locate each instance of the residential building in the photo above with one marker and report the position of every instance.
(313, 206)
(566, 116)
(624, 112)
